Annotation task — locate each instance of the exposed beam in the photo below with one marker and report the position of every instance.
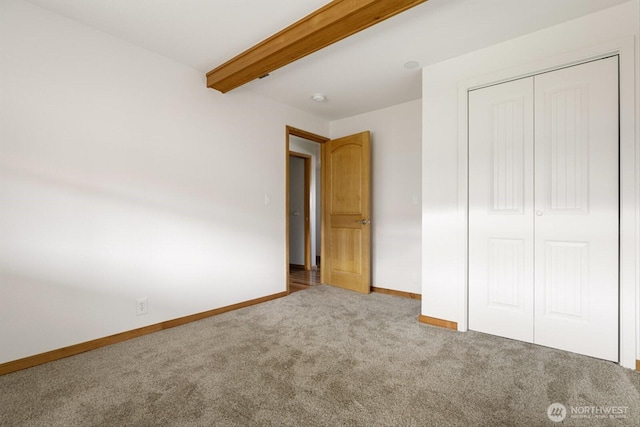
(325, 26)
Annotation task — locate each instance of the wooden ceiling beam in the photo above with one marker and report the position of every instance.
(327, 25)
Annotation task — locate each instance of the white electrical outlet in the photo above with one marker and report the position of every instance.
(142, 306)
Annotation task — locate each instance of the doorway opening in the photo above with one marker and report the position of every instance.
(301, 213)
(303, 208)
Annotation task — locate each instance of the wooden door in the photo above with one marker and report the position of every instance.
(576, 209)
(346, 221)
(501, 231)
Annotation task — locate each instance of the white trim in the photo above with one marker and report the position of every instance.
(629, 177)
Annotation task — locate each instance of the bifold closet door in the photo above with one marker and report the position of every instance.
(577, 209)
(544, 209)
(501, 210)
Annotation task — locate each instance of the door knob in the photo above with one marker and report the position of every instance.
(539, 213)
(363, 221)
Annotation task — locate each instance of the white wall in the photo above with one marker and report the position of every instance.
(444, 151)
(122, 176)
(304, 146)
(395, 213)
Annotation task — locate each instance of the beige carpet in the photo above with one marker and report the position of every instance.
(319, 357)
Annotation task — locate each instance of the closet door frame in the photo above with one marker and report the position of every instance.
(629, 264)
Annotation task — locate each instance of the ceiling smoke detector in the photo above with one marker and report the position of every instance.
(318, 97)
(411, 65)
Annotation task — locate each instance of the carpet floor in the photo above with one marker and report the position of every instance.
(321, 357)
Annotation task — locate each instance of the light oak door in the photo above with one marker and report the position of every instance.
(544, 209)
(346, 206)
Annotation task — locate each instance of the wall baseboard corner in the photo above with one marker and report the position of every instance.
(393, 292)
(434, 321)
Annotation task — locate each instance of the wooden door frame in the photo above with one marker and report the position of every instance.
(290, 130)
(307, 202)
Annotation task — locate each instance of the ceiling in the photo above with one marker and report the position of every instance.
(362, 73)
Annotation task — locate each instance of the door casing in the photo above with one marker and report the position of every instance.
(311, 137)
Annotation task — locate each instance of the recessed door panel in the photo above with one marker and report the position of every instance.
(565, 115)
(344, 259)
(346, 178)
(566, 287)
(507, 156)
(506, 278)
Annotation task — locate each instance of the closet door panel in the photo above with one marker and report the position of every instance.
(576, 204)
(501, 210)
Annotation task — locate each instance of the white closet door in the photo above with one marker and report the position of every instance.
(577, 213)
(501, 210)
